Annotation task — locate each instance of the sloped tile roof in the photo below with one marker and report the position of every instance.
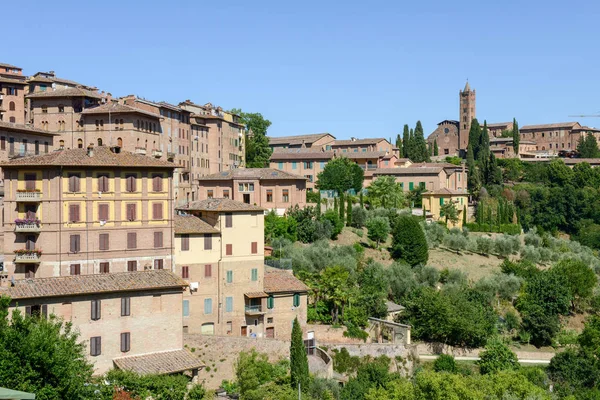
(301, 154)
(9, 66)
(165, 362)
(566, 125)
(190, 224)
(446, 191)
(92, 284)
(357, 142)
(283, 281)
(25, 129)
(224, 205)
(13, 81)
(251, 173)
(298, 139)
(103, 157)
(116, 108)
(67, 92)
(363, 154)
(499, 124)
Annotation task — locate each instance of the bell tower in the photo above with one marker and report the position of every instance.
(467, 114)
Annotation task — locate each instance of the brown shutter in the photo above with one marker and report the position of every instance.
(157, 183)
(157, 210)
(103, 241)
(30, 181)
(104, 268)
(45, 311)
(228, 220)
(103, 212)
(131, 265)
(74, 243)
(75, 269)
(208, 241)
(185, 242)
(131, 212)
(185, 272)
(125, 306)
(228, 249)
(131, 240)
(254, 247)
(158, 264)
(207, 271)
(125, 342)
(158, 239)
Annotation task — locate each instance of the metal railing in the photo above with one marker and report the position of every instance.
(254, 309)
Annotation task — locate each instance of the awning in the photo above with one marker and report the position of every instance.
(166, 362)
(15, 394)
(256, 295)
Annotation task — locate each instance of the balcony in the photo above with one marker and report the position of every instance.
(140, 150)
(157, 153)
(29, 196)
(170, 156)
(254, 310)
(28, 256)
(27, 226)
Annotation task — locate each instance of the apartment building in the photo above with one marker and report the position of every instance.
(503, 148)
(269, 188)
(429, 176)
(434, 200)
(126, 320)
(86, 211)
(219, 251)
(302, 161)
(12, 94)
(551, 138)
(355, 145)
(314, 141)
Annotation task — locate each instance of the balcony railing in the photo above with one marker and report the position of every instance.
(28, 258)
(29, 197)
(27, 228)
(140, 150)
(157, 153)
(170, 155)
(254, 309)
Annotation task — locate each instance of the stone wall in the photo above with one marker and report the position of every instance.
(329, 334)
(402, 357)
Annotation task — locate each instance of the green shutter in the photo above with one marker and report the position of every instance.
(411, 185)
(441, 201)
(270, 302)
(229, 276)
(296, 299)
(422, 185)
(294, 165)
(254, 274)
(186, 308)
(228, 304)
(280, 165)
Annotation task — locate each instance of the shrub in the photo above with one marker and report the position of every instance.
(337, 224)
(434, 233)
(533, 239)
(511, 321)
(530, 253)
(343, 362)
(378, 229)
(509, 229)
(323, 229)
(506, 245)
(409, 243)
(359, 217)
(427, 275)
(455, 241)
(444, 363)
(497, 357)
(484, 245)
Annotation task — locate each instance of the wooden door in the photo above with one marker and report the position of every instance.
(271, 332)
(244, 331)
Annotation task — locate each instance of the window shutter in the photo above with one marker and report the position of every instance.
(185, 242)
(229, 250)
(158, 264)
(228, 220)
(270, 302)
(125, 342)
(208, 271)
(296, 299)
(131, 240)
(132, 266)
(104, 268)
(158, 239)
(157, 209)
(96, 310)
(74, 243)
(131, 212)
(185, 272)
(254, 247)
(228, 304)
(28, 310)
(45, 311)
(208, 242)
(103, 241)
(186, 308)
(207, 306)
(103, 212)
(157, 183)
(75, 269)
(125, 306)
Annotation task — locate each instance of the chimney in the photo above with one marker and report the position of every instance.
(90, 150)
(353, 139)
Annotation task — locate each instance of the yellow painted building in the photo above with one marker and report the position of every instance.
(434, 200)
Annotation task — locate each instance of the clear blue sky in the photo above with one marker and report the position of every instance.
(351, 68)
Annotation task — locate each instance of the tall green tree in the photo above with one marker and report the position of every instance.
(516, 136)
(42, 356)
(341, 175)
(497, 357)
(258, 151)
(378, 229)
(436, 150)
(475, 137)
(349, 212)
(409, 242)
(419, 147)
(483, 152)
(449, 212)
(465, 215)
(386, 192)
(405, 141)
(473, 173)
(588, 146)
(298, 359)
(342, 206)
(399, 145)
(493, 173)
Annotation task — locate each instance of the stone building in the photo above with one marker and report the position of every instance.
(314, 141)
(124, 319)
(219, 251)
(355, 145)
(434, 200)
(12, 94)
(86, 211)
(446, 137)
(468, 112)
(429, 176)
(269, 188)
(550, 139)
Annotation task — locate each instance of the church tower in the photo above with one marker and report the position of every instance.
(467, 114)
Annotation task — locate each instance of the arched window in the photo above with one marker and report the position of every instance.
(101, 122)
(120, 142)
(11, 106)
(146, 144)
(61, 144)
(80, 143)
(137, 143)
(44, 109)
(99, 141)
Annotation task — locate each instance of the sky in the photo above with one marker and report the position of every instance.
(351, 68)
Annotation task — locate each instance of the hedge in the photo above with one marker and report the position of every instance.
(510, 229)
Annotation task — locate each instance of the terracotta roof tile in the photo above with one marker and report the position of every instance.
(103, 157)
(251, 173)
(301, 154)
(283, 281)
(68, 92)
(93, 284)
(566, 125)
(186, 224)
(357, 142)
(116, 108)
(446, 191)
(363, 154)
(297, 139)
(224, 205)
(13, 81)
(166, 362)
(25, 129)
(9, 66)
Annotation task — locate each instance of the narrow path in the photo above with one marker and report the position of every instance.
(466, 358)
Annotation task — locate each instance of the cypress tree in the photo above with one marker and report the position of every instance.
(419, 147)
(349, 212)
(318, 209)
(409, 243)
(429, 149)
(494, 174)
(399, 145)
(335, 205)
(464, 216)
(516, 136)
(342, 209)
(484, 143)
(436, 151)
(360, 196)
(475, 137)
(298, 359)
(405, 142)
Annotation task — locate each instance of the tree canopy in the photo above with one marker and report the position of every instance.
(341, 175)
(258, 151)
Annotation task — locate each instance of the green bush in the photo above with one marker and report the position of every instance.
(497, 357)
(343, 362)
(444, 363)
(434, 233)
(484, 245)
(409, 243)
(337, 223)
(359, 217)
(509, 229)
(455, 242)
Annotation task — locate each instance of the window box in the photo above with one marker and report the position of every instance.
(27, 225)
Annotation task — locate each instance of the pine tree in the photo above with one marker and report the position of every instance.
(588, 146)
(436, 151)
(516, 136)
(298, 359)
(419, 147)
(349, 212)
(405, 141)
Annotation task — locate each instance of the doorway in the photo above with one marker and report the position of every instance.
(271, 332)
(247, 198)
(244, 331)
